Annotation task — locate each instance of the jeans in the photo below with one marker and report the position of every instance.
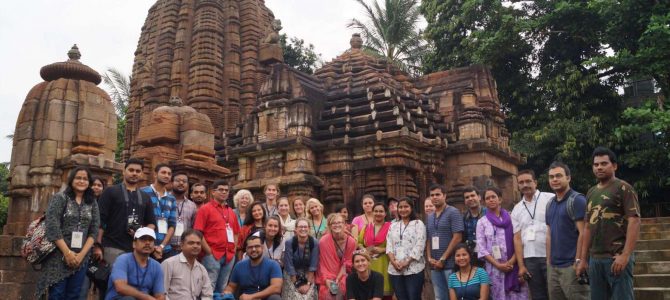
(605, 285)
(440, 283)
(407, 287)
(218, 271)
(70, 287)
(537, 266)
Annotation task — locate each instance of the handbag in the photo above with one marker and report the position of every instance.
(36, 247)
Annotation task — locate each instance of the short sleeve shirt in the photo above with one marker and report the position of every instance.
(608, 210)
(443, 227)
(529, 216)
(212, 220)
(148, 280)
(253, 279)
(469, 290)
(564, 233)
(371, 288)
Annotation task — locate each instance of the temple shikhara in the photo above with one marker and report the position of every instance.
(212, 97)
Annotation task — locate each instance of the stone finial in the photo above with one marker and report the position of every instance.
(273, 36)
(176, 101)
(74, 53)
(356, 41)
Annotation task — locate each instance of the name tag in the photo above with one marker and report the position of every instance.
(162, 226)
(435, 243)
(530, 233)
(229, 234)
(179, 230)
(77, 239)
(496, 252)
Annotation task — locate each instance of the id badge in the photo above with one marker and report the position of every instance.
(162, 225)
(131, 220)
(229, 234)
(435, 243)
(179, 230)
(496, 252)
(530, 233)
(77, 239)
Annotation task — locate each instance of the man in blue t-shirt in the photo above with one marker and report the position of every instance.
(565, 230)
(444, 230)
(255, 277)
(135, 275)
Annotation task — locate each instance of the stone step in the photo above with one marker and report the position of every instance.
(652, 255)
(655, 227)
(652, 293)
(653, 245)
(656, 267)
(651, 280)
(658, 235)
(655, 220)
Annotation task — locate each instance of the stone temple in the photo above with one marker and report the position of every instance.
(211, 96)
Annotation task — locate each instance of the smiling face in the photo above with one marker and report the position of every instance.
(257, 212)
(379, 213)
(404, 209)
(271, 229)
(244, 201)
(471, 199)
(492, 200)
(271, 192)
(298, 207)
(367, 205)
(80, 182)
(254, 248)
(283, 207)
(361, 264)
(336, 224)
(302, 228)
(428, 206)
(220, 193)
(97, 187)
(462, 257)
(314, 210)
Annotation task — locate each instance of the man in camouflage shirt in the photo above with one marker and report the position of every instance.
(611, 231)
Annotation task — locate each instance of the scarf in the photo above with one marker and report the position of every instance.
(370, 238)
(511, 278)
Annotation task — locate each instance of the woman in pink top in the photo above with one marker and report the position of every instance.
(367, 203)
(335, 251)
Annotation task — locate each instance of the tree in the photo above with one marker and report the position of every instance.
(392, 32)
(4, 188)
(297, 55)
(118, 86)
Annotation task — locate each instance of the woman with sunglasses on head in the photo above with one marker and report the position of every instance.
(372, 238)
(406, 243)
(257, 216)
(287, 223)
(364, 283)
(335, 250)
(468, 282)
(301, 256)
(72, 220)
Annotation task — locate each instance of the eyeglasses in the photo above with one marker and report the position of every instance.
(302, 226)
(81, 178)
(253, 246)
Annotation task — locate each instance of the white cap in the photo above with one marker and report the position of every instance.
(145, 231)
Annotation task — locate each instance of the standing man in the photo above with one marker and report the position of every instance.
(199, 194)
(218, 224)
(256, 277)
(271, 192)
(565, 228)
(185, 277)
(164, 208)
(474, 212)
(136, 275)
(123, 210)
(186, 210)
(444, 231)
(611, 231)
(530, 234)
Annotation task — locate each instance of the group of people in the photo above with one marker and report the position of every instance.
(171, 241)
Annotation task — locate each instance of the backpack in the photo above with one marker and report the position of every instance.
(36, 247)
(570, 203)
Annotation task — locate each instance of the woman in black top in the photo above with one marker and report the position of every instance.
(364, 284)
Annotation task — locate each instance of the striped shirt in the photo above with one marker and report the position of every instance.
(469, 290)
(164, 207)
(186, 214)
(444, 226)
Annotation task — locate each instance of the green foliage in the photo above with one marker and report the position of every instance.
(297, 55)
(559, 66)
(4, 188)
(118, 87)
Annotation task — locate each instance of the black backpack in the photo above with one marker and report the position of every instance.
(570, 207)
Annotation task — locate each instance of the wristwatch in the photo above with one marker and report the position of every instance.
(577, 261)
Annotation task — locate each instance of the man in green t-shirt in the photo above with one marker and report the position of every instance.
(613, 227)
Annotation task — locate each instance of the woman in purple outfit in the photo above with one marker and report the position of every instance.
(495, 242)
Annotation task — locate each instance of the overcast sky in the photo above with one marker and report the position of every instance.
(34, 33)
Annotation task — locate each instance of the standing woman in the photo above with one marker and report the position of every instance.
(495, 238)
(287, 223)
(274, 243)
(98, 186)
(317, 222)
(335, 251)
(406, 243)
(299, 208)
(360, 221)
(72, 220)
(242, 199)
(344, 211)
(468, 282)
(301, 259)
(373, 239)
(428, 207)
(252, 224)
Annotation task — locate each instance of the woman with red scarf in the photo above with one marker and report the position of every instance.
(372, 238)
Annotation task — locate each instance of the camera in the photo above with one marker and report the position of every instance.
(526, 277)
(300, 280)
(583, 278)
(133, 226)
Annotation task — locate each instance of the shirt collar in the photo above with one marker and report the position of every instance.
(535, 197)
(156, 192)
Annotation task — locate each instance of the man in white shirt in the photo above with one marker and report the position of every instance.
(184, 276)
(530, 232)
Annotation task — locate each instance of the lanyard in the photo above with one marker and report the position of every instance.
(180, 209)
(256, 276)
(532, 216)
(401, 230)
(127, 199)
(436, 220)
(346, 243)
(137, 275)
(222, 213)
(317, 233)
(159, 206)
(465, 290)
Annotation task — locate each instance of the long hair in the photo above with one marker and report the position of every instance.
(249, 219)
(278, 237)
(386, 210)
(88, 196)
(410, 202)
(460, 246)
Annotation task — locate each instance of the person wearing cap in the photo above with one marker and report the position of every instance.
(256, 277)
(135, 275)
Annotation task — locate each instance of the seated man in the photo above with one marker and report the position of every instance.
(135, 275)
(185, 277)
(256, 277)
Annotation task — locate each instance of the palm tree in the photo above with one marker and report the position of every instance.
(118, 86)
(392, 32)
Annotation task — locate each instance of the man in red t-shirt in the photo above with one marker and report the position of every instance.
(218, 224)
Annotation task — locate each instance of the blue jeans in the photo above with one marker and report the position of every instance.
(70, 287)
(407, 287)
(218, 271)
(440, 280)
(604, 285)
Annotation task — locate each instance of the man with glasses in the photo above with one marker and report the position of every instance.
(218, 224)
(256, 277)
(186, 210)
